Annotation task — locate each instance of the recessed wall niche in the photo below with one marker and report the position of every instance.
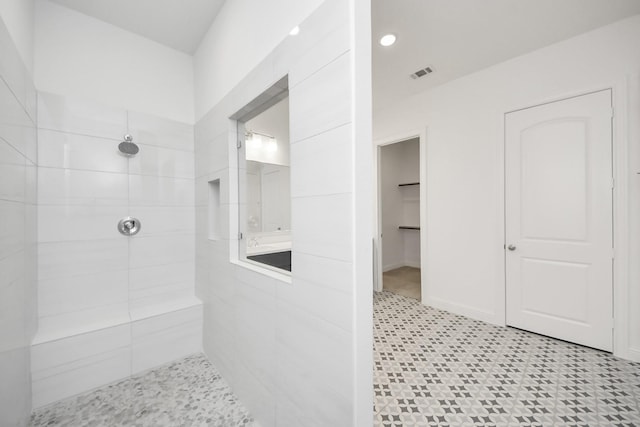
(214, 210)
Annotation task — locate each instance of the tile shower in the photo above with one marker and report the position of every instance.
(111, 305)
(83, 305)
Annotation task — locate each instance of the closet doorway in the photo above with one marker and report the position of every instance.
(399, 259)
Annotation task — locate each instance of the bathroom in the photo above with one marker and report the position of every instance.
(84, 306)
(138, 187)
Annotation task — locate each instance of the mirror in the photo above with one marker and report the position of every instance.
(268, 197)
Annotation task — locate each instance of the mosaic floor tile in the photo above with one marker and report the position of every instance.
(189, 392)
(433, 368)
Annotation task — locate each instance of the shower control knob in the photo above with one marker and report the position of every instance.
(129, 226)
(511, 247)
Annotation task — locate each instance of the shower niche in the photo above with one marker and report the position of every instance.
(214, 210)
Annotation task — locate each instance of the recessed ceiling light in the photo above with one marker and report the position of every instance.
(295, 31)
(388, 40)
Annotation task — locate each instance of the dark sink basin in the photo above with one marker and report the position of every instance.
(280, 260)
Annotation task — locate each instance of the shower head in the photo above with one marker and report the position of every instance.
(127, 146)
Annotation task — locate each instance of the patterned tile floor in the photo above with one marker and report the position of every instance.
(434, 368)
(189, 392)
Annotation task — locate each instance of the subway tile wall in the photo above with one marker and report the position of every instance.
(18, 211)
(109, 305)
(286, 347)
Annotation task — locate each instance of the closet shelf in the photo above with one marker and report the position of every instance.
(408, 184)
(408, 227)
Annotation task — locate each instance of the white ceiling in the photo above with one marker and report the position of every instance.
(458, 37)
(455, 37)
(180, 24)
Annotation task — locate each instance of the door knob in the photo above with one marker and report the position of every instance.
(511, 248)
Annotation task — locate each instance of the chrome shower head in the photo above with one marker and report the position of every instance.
(127, 146)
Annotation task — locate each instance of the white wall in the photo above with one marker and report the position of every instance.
(465, 169)
(399, 163)
(287, 345)
(242, 35)
(85, 57)
(18, 228)
(18, 17)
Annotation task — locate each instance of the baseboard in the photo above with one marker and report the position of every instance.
(633, 354)
(463, 310)
(390, 267)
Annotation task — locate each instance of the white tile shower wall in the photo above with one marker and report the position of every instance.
(300, 330)
(159, 339)
(129, 293)
(18, 309)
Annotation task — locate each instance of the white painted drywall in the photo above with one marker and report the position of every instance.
(241, 36)
(464, 160)
(18, 17)
(81, 56)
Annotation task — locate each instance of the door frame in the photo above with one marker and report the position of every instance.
(619, 141)
(421, 134)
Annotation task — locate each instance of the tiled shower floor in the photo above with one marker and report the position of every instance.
(189, 392)
(433, 368)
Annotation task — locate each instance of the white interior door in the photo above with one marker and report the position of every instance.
(558, 189)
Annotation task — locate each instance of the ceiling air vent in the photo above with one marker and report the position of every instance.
(422, 72)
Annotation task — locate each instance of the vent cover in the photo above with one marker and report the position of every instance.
(421, 73)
